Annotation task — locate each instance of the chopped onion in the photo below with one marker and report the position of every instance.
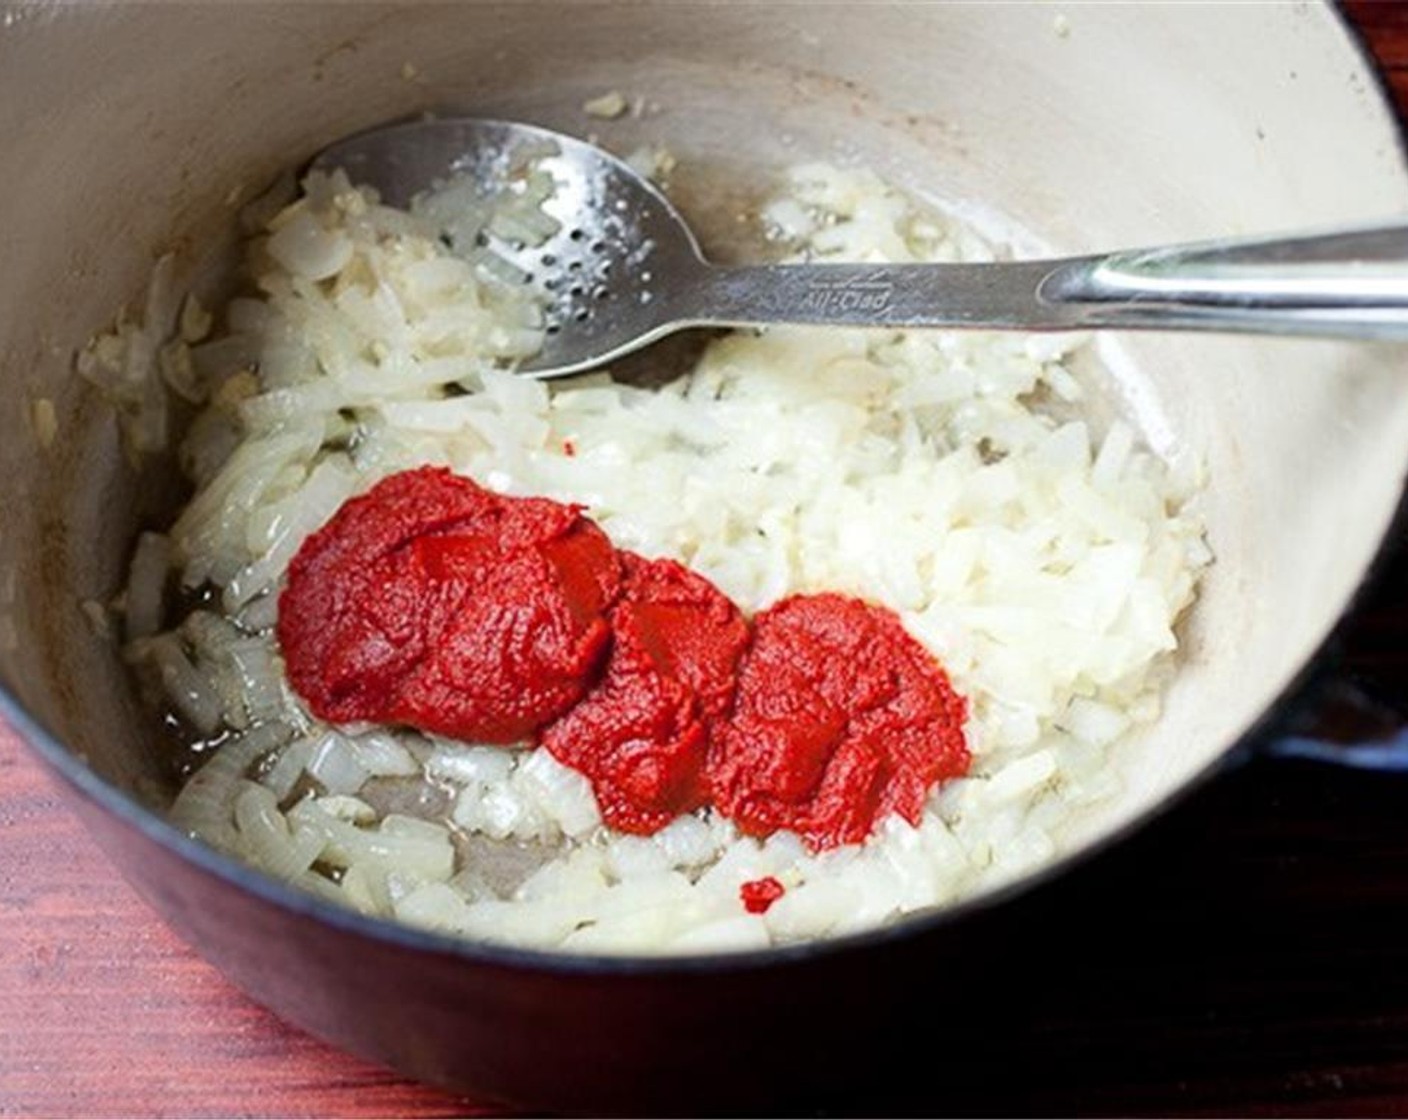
(306, 249)
(204, 807)
(146, 585)
(283, 775)
(334, 764)
(266, 835)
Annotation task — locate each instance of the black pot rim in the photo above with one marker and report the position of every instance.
(236, 875)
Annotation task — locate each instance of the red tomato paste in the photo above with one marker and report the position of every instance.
(642, 734)
(757, 895)
(432, 602)
(841, 718)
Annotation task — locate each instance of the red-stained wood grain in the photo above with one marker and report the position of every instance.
(1384, 25)
(104, 1012)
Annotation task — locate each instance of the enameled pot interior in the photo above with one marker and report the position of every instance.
(132, 130)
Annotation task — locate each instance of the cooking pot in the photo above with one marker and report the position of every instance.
(132, 130)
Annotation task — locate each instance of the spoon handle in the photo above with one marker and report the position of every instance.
(1351, 283)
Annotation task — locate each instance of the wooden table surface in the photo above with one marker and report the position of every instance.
(1267, 976)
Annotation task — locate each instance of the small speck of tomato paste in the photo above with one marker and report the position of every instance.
(432, 602)
(569, 448)
(642, 735)
(841, 718)
(759, 894)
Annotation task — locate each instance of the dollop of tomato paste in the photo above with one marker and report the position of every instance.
(642, 735)
(841, 718)
(433, 602)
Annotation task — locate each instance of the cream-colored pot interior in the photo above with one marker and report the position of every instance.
(128, 130)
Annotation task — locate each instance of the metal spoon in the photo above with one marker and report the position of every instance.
(624, 269)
